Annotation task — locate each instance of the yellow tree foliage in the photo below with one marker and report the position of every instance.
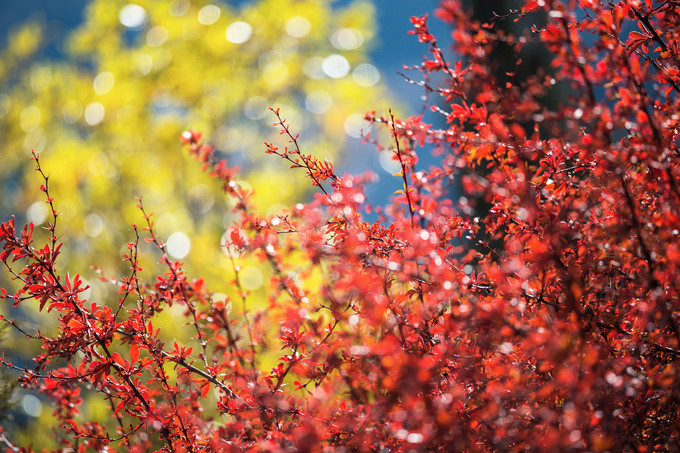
(106, 120)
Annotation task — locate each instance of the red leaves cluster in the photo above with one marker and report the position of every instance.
(548, 321)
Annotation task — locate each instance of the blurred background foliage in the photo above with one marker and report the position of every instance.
(106, 118)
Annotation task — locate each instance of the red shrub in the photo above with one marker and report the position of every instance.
(550, 322)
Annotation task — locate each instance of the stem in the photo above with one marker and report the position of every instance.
(404, 169)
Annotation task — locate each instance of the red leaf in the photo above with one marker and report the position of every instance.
(118, 359)
(134, 353)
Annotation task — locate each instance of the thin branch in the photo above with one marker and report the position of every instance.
(404, 170)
